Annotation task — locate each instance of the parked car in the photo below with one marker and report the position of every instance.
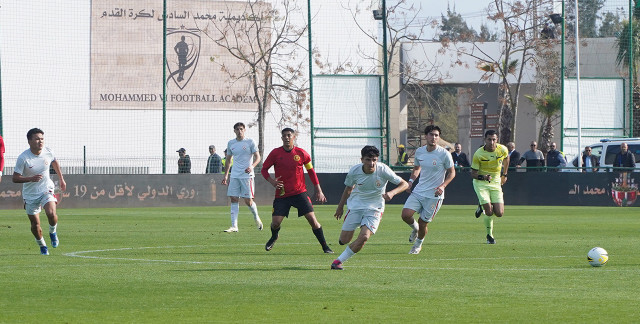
(607, 149)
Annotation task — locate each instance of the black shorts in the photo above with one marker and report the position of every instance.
(302, 202)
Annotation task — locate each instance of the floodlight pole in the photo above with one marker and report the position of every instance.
(385, 72)
(381, 14)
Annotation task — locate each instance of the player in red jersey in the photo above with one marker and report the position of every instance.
(288, 162)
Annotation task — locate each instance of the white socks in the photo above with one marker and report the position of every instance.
(254, 210)
(235, 208)
(41, 242)
(418, 242)
(52, 229)
(414, 225)
(346, 255)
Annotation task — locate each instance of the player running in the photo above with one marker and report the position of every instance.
(365, 195)
(434, 165)
(488, 162)
(32, 170)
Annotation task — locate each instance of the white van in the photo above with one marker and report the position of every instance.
(607, 149)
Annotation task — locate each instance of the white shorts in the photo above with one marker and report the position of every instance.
(426, 207)
(357, 218)
(241, 187)
(33, 207)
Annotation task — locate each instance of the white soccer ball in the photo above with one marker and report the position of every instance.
(597, 257)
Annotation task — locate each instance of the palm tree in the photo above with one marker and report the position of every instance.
(548, 107)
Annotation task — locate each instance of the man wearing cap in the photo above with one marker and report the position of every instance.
(403, 159)
(214, 163)
(184, 162)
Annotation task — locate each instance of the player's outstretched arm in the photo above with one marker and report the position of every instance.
(18, 178)
(450, 174)
(319, 195)
(56, 167)
(503, 172)
(256, 161)
(227, 166)
(402, 186)
(343, 200)
(415, 173)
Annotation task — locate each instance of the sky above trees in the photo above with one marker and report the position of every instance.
(472, 11)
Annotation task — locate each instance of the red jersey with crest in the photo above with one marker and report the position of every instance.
(289, 168)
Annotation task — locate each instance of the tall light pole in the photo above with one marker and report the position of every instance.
(381, 14)
(578, 85)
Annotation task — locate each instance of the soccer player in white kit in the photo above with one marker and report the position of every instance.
(32, 170)
(365, 194)
(436, 169)
(245, 157)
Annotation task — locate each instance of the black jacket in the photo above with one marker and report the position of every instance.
(513, 159)
(625, 160)
(595, 162)
(461, 159)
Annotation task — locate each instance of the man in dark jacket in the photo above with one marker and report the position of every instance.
(555, 159)
(459, 158)
(184, 162)
(625, 158)
(590, 163)
(514, 156)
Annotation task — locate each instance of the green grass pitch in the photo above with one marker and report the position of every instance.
(175, 265)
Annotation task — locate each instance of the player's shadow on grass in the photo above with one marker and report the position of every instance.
(254, 253)
(298, 268)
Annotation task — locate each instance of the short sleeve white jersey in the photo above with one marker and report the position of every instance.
(433, 169)
(369, 188)
(242, 152)
(28, 165)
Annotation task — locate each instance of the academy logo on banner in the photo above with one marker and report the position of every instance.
(187, 51)
(128, 66)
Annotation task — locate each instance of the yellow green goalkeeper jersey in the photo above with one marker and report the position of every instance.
(489, 162)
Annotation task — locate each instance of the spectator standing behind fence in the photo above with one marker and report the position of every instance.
(590, 162)
(534, 158)
(514, 156)
(403, 158)
(224, 162)
(623, 159)
(214, 162)
(555, 159)
(459, 158)
(184, 162)
(1, 157)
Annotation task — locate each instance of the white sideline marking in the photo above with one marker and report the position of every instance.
(80, 254)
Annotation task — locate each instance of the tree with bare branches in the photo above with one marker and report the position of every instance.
(404, 27)
(265, 41)
(520, 23)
